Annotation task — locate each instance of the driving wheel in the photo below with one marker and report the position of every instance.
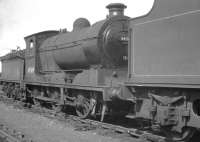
(83, 108)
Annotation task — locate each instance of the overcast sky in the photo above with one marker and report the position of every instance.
(19, 18)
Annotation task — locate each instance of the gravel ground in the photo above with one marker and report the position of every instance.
(42, 129)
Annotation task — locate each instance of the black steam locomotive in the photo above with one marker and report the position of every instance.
(146, 66)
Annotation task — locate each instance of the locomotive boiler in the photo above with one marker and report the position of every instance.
(102, 43)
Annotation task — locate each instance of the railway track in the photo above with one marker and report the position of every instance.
(5, 137)
(90, 124)
(10, 135)
(144, 135)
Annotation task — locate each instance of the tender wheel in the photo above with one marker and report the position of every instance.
(83, 108)
(185, 136)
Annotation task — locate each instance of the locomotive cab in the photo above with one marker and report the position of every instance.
(33, 43)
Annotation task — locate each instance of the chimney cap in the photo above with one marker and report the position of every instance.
(116, 5)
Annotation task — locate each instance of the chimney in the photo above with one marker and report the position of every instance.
(116, 9)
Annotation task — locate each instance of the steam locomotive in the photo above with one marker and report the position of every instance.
(146, 66)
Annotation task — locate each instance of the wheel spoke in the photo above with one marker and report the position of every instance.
(83, 110)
